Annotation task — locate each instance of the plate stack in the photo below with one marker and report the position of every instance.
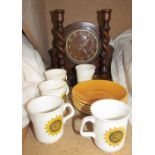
(85, 93)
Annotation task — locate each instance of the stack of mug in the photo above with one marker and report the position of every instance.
(47, 111)
(55, 83)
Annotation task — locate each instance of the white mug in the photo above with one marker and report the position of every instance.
(56, 74)
(85, 72)
(54, 87)
(46, 113)
(110, 119)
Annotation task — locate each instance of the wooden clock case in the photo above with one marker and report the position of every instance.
(58, 52)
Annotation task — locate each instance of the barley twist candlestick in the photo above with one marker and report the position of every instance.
(59, 38)
(106, 49)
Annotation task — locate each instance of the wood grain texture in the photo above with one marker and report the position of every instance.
(81, 10)
(59, 37)
(102, 61)
(36, 20)
(106, 50)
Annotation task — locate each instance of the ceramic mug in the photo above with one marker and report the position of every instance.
(85, 72)
(110, 119)
(56, 74)
(46, 113)
(54, 87)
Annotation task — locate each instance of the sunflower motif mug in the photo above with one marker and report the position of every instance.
(54, 87)
(110, 119)
(46, 113)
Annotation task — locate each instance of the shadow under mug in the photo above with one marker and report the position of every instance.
(46, 113)
(110, 119)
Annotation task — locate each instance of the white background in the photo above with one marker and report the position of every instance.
(143, 77)
(10, 77)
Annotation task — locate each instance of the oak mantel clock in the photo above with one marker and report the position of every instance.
(79, 43)
(82, 42)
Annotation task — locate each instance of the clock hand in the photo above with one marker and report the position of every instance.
(77, 49)
(84, 50)
(85, 43)
(82, 46)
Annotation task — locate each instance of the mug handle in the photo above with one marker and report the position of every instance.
(68, 105)
(66, 78)
(84, 121)
(67, 92)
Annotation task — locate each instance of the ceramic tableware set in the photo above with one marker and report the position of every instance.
(104, 101)
(47, 111)
(55, 83)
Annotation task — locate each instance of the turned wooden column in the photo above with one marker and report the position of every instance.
(106, 49)
(59, 40)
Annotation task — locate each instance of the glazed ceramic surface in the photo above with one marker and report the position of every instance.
(85, 72)
(56, 74)
(46, 113)
(85, 93)
(92, 90)
(54, 87)
(110, 119)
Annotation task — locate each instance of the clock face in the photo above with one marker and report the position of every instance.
(82, 46)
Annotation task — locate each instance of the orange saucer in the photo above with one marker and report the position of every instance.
(87, 92)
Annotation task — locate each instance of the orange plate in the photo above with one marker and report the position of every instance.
(81, 108)
(80, 102)
(92, 90)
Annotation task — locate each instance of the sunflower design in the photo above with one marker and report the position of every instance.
(114, 136)
(63, 96)
(54, 126)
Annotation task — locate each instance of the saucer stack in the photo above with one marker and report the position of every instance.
(85, 93)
